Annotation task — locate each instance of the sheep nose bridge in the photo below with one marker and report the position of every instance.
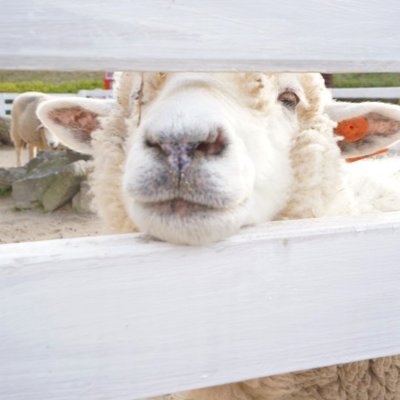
(179, 155)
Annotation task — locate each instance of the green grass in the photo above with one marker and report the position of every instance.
(49, 76)
(366, 80)
(49, 81)
(72, 82)
(5, 191)
(38, 86)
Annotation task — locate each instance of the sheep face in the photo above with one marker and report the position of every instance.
(203, 154)
(191, 158)
(211, 154)
(48, 139)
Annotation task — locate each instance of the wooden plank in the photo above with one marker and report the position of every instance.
(124, 317)
(6, 100)
(301, 35)
(367, 93)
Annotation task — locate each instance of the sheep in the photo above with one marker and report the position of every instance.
(26, 127)
(193, 157)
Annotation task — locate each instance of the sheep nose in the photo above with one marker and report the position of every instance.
(180, 154)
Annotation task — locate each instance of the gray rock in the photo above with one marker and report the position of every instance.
(51, 180)
(62, 189)
(82, 202)
(28, 192)
(53, 160)
(9, 175)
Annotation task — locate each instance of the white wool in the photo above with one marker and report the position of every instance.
(376, 183)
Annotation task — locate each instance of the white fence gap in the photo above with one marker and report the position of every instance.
(385, 93)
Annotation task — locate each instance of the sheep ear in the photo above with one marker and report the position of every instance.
(73, 120)
(366, 128)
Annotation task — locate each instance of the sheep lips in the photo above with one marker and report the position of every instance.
(179, 207)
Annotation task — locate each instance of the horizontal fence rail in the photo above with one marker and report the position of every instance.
(389, 93)
(125, 317)
(162, 35)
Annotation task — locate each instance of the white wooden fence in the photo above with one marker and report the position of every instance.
(386, 93)
(6, 101)
(124, 317)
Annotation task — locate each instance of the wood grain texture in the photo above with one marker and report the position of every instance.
(211, 35)
(125, 317)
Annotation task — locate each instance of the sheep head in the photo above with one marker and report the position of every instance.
(201, 154)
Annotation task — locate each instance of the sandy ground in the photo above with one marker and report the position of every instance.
(30, 225)
(7, 157)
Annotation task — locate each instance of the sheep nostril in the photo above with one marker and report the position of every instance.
(212, 148)
(164, 148)
(153, 145)
(148, 143)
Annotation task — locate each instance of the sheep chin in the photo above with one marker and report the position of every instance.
(191, 225)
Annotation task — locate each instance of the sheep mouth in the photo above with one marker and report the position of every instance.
(186, 222)
(179, 207)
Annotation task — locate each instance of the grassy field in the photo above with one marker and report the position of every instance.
(49, 81)
(72, 82)
(366, 80)
(48, 76)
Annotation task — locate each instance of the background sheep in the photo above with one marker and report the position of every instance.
(26, 129)
(190, 158)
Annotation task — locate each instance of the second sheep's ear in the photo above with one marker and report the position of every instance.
(367, 128)
(74, 120)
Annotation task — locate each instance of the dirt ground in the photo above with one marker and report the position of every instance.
(8, 158)
(31, 225)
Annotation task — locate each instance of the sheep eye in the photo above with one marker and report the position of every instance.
(289, 99)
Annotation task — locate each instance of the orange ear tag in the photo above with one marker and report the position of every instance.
(352, 129)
